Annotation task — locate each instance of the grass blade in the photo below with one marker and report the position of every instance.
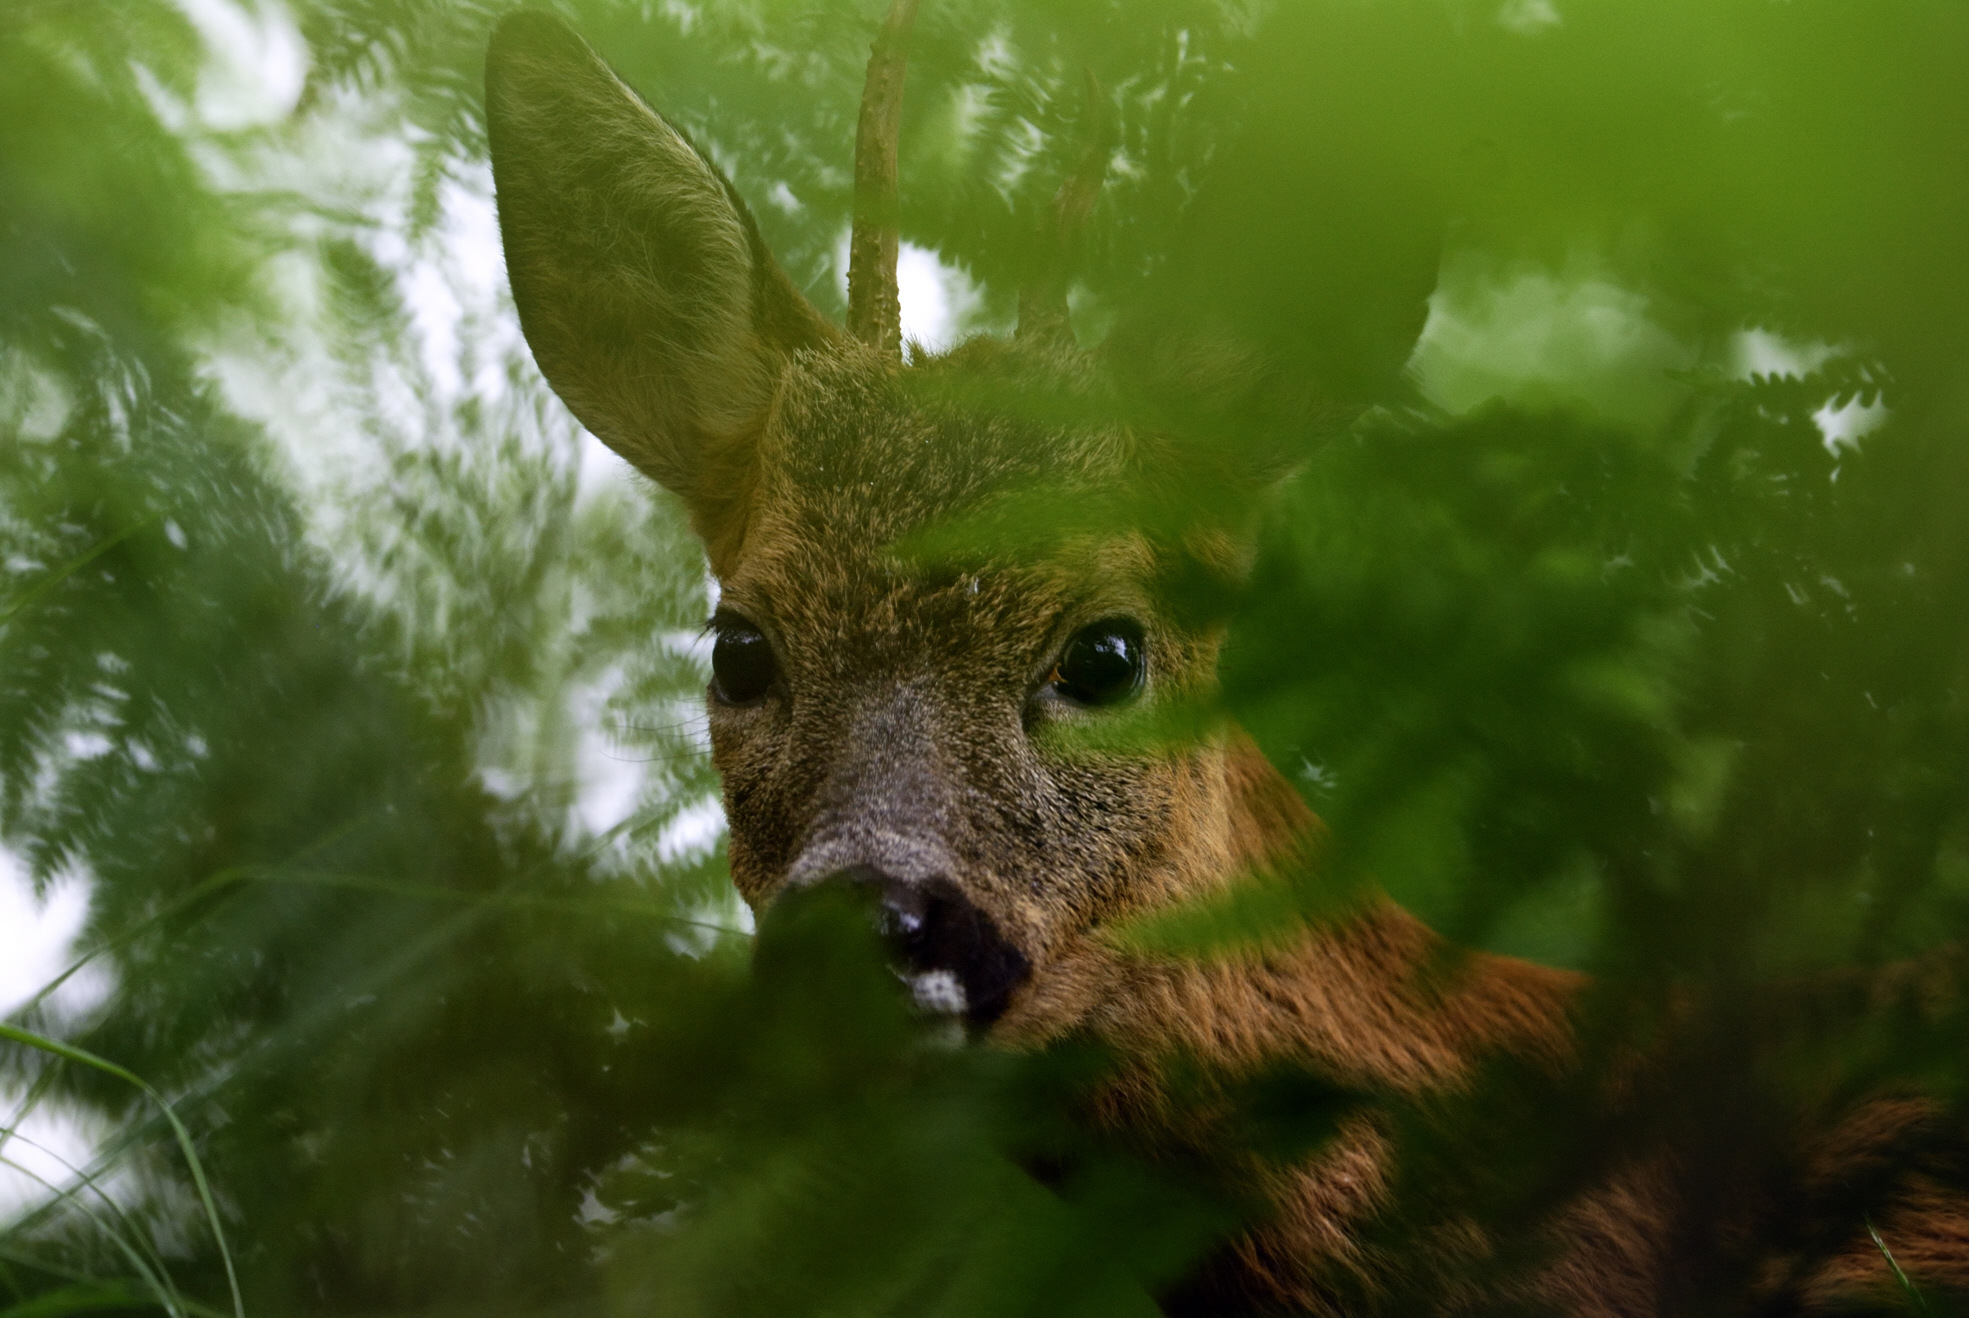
(1907, 1284)
(81, 1056)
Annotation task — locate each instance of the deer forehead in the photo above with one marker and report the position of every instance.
(860, 439)
(877, 521)
(836, 597)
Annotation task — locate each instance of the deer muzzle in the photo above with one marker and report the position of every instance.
(951, 954)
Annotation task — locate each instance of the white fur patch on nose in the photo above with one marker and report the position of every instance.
(939, 991)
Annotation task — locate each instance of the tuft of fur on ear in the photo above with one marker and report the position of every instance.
(648, 299)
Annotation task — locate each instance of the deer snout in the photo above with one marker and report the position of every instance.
(953, 956)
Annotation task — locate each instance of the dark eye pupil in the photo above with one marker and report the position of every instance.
(741, 664)
(1102, 664)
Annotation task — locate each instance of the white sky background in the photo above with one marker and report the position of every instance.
(37, 935)
(35, 932)
(1541, 337)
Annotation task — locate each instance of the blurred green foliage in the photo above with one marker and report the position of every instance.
(1618, 616)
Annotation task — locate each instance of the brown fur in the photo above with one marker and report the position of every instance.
(912, 727)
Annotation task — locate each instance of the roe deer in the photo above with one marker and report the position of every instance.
(918, 726)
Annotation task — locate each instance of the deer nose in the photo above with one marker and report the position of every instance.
(951, 954)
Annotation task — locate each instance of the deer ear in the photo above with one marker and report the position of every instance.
(648, 299)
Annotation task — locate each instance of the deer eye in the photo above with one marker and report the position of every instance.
(742, 664)
(1103, 663)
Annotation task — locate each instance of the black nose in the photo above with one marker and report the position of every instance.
(952, 954)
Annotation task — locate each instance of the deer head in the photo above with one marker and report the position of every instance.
(930, 724)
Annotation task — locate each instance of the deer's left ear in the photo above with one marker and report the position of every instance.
(645, 292)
